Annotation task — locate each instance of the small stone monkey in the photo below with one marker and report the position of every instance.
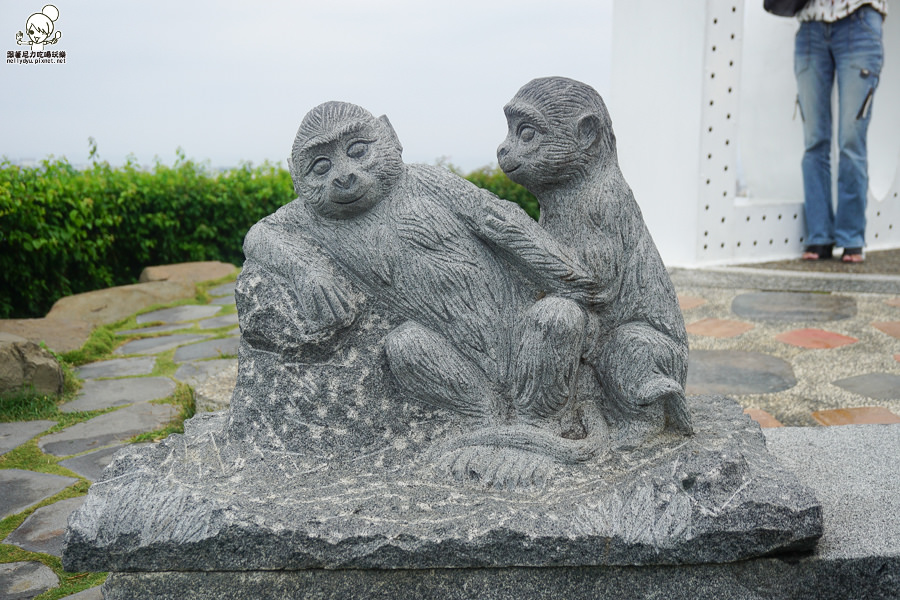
(561, 147)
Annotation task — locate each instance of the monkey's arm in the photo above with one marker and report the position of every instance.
(538, 255)
(325, 300)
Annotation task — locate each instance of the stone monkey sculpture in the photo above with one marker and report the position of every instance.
(561, 147)
(366, 225)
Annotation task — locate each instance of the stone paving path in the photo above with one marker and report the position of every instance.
(199, 339)
(801, 358)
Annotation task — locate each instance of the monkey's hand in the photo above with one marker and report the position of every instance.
(325, 304)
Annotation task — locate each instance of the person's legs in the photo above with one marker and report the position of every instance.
(859, 55)
(814, 69)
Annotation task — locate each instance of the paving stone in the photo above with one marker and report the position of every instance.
(209, 349)
(897, 357)
(195, 372)
(13, 435)
(159, 344)
(719, 328)
(60, 335)
(117, 367)
(21, 489)
(861, 415)
(893, 301)
(689, 302)
(892, 328)
(223, 321)
(815, 338)
(116, 303)
(94, 593)
(25, 580)
(762, 417)
(223, 290)
(43, 531)
(793, 306)
(880, 386)
(110, 428)
(223, 300)
(179, 314)
(156, 329)
(194, 272)
(91, 465)
(97, 394)
(737, 372)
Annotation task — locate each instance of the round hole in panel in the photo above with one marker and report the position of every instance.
(876, 236)
(764, 217)
(785, 240)
(725, 194)
(706, 207)
(729, 90)
(878, 213)
(771, 242)
(726, 167)
(795, 216)
(730, 63)
(779, 217)
(710, 102)
(732, 36)
(722, 245)
(709, 156)
(748, 219)
(705, 246)
(728, 116)
(715, 21)
(801, 240)
(738, 244)
(890, 226)
(712, 75)
(727, 142)
(707, 182)
(705, 234)
(754, 242)
(710, 128)
(713, 48)
(723, 219)
(734, 9)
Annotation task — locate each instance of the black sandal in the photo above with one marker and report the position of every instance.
(853, 255)
(819, 252)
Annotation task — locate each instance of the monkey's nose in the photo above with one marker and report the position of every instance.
(345, 183)
(502, 151)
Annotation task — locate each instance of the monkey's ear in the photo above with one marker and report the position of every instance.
(588, 132)
(389, 129)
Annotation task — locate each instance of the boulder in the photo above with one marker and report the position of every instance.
(113, 304)
(25, 365)
(60, 335)
(193, 272)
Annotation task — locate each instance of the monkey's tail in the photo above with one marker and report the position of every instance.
(540, 441)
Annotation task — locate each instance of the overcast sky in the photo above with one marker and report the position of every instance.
(229, 81)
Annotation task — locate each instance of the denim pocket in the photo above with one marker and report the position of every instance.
(870, 20)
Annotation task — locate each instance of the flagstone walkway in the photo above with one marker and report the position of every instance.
(792, 350)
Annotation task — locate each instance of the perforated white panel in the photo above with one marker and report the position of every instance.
(732, 228)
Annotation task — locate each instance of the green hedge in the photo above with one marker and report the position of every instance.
(64, 231)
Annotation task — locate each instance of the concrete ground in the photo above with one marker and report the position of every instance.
(798, 344)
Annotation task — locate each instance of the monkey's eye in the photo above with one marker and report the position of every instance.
(358, 149)
(321, 166)
(526, 133)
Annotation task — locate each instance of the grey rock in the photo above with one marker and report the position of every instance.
(109, 428)
(226, 289)
(210, 349)
(717, 496)
(91, 465)
(215, 393)
(104, 393)
(13, 435)
(852, 469)
(223, 321)
(26, 367)
(25, 580)
(738, 372)
(158, 344)
(44, 529)
(156, 329)
(880, 386)
(178, 314)
(195, 372)
(117, 367)
(794, 306)
(94, 593)
(22, 489)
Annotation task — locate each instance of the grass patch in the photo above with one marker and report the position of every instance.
(100, 344)
(182, 398)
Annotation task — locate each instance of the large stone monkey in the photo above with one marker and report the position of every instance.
(561, 147)
(366, 225)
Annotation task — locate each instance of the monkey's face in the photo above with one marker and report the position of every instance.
(349, 170)
(522, 152)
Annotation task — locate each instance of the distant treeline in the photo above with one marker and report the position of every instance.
(65, 230)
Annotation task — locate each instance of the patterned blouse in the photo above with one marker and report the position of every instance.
(834, 10)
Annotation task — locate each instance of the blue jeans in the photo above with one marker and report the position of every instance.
(851, 50)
